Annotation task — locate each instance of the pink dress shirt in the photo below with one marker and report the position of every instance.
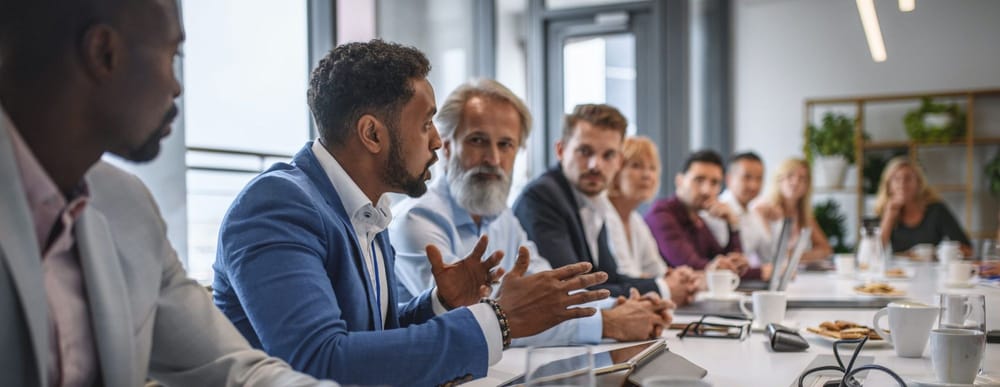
(73, 355)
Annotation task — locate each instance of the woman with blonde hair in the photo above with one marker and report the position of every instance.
(912, 211)
(790, 196)
(631, 241)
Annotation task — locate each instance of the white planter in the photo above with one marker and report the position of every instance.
(829, 171)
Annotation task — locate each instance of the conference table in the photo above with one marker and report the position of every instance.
(749, 362)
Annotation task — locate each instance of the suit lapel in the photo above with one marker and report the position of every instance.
(21, 255)
(107, 296)
(306, 161)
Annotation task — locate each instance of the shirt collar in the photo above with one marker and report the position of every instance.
(355, 202)
(459, 215)
(44, 198)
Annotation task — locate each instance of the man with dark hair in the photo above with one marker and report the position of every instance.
(562, 212)
(681, 234)
(744, 181)
(91, 292)
(304, 266)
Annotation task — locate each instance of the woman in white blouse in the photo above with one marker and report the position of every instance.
(637, 182)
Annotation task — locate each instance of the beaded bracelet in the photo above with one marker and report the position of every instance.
(501, 318)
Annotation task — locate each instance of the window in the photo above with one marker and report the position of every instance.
(246, 68)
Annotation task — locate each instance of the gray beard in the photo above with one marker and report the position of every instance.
(478, 197)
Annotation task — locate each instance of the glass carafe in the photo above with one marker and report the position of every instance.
(871, 257)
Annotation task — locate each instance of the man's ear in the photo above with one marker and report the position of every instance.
(101, 51)
(446, 148)
(559, 149)
(678, 179)
(372, 134)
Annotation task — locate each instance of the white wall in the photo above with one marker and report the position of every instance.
(786, 51)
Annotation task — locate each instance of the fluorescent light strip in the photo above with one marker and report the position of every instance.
(869, 20)
(907, 5)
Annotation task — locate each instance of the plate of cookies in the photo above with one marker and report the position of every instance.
(831, 331)
(879, 289)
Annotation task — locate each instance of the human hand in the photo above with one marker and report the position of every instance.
(542, 300)
(722, 211)
(662, 307)
(467, 281)
(735, 263)
(631, 319)
(766, 270)
(683, 285)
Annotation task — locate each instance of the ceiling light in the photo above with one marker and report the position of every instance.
(869, 20)
(907, 5)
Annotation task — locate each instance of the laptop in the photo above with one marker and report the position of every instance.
(779, 257)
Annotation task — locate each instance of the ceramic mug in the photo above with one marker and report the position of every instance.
(910, 323)
(721, 283)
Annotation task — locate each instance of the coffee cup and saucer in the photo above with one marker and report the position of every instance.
(722, 285)
(961, 275)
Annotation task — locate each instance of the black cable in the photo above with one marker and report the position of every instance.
(848, 379)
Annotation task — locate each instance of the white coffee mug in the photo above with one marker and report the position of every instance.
(721, 283)
(956, 354)
(955, 310)
(844, 264)
(910, 323)
(768, 307)
(962, 272)
(948, 251)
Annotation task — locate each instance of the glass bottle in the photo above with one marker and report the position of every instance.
(870, 255)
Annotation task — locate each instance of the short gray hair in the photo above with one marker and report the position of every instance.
(451, 111)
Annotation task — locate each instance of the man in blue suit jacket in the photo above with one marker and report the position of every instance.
(305, 270)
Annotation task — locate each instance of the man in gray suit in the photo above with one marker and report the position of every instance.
(91, 292)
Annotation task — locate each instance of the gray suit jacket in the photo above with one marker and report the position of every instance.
(148, 319)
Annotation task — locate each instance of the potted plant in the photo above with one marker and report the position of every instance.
(833, 142)
(831, 221)
(935, 122)
(992, 171)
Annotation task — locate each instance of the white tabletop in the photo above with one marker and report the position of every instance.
(751, 363)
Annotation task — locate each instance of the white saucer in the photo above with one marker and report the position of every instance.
(792, 324)
(722, 297)
(963, 285)
(981, 381)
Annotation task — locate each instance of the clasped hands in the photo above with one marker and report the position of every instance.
(532, 303)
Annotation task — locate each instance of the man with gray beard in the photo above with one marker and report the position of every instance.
(482, 126)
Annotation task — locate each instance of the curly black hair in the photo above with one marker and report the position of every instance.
(361, 78)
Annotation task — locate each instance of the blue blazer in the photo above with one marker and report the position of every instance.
(289, 273)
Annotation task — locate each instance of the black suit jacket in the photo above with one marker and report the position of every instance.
(549, 213)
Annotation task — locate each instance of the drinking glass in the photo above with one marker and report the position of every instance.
(963, 311)
(560, 366)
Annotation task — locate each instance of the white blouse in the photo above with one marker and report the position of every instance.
(640, 257)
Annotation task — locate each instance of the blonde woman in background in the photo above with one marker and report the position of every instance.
(790, 196)
(912, 211)
(632, 243)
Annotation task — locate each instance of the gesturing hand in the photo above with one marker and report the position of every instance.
(467, 281)
(542, 300)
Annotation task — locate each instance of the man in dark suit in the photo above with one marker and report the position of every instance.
(562, 210)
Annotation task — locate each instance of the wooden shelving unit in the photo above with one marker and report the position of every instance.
(969, 142)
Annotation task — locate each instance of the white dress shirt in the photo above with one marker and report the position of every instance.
(368, 221)
(592, 213)
(638, 256)
(755, 236)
